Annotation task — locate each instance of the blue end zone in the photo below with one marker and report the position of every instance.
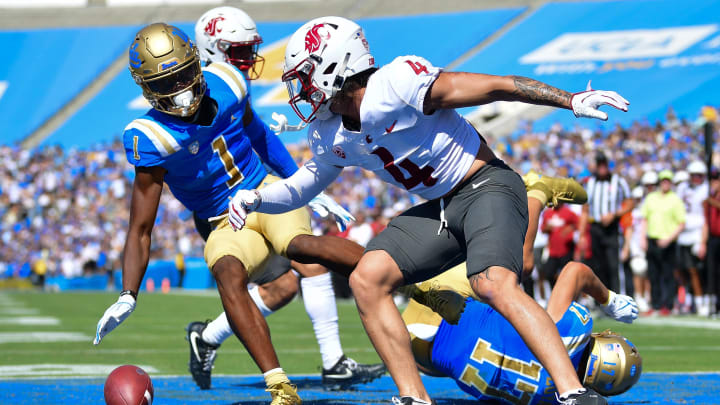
(653, 388)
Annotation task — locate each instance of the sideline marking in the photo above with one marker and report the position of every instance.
(30, 320)
(18, 311)
(43, 337)
(687, 323)
(41, 370)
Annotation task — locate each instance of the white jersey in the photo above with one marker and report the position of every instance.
(425, 154)
(693, 197)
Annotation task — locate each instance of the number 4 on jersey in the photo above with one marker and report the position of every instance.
(417, 67)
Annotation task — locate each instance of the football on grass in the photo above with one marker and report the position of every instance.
(128, 385)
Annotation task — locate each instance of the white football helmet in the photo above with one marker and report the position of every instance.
(697, 167)
(681, 176)
(649, 178)
(228, 34)
(318, 58)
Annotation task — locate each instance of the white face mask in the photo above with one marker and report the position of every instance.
(183, 99)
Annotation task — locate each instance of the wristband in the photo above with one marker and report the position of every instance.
(610, 297)
(130, 293)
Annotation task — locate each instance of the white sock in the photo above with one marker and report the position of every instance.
(257, 299)
(698, 301)
(566, 394)
(218, 330)
(319, 300)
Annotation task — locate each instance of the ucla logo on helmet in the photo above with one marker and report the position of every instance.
(168, 64)
(135, 56)
(182, 35)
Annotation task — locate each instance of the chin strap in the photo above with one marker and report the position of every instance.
(340, 80)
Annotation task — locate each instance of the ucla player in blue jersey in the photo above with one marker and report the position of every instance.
(199, 139)
(487, 358)
(228, 35)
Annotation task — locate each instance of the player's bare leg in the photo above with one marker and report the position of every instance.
(535, 207)
(372, 283)
(337, 254)
(232, 280)
(499, 287)
(338, 371)
(279, 292)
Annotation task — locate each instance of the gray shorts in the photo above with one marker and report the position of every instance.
(276, 266)
(487, 218)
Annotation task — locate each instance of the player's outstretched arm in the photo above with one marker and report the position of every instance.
(576, 278)
(284, 195)
(147, 188)
(463, 89)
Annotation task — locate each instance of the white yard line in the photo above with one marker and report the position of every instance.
(30, 320)
(680, 322)
(43, 337)
(43, 370)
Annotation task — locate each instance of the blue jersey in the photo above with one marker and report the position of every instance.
(489, 360)
(207, 164)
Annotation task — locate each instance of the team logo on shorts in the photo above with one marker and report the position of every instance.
(338, 151)
(194, 148)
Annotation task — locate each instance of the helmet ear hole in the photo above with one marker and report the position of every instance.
(329, 70)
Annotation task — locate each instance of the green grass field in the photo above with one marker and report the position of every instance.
(154, 335)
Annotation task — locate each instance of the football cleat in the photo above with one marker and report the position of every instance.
(443, 300)
(347, 372)
(202, 355)
(587, 397)
(557, 189)
(284, 394)
(410, 401)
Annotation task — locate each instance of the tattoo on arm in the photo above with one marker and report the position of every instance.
(535, 92)
(477, 278)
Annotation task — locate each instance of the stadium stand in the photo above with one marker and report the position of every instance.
(93, 123)
(48, 68)
(639, 47)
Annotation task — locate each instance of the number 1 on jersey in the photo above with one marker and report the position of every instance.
(220, 147)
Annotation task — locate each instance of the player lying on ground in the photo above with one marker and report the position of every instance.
(487, 358)
(399, 121)
(227, 34)
(203, 139)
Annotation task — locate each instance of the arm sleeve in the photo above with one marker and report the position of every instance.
(298, 189)
(270, 148)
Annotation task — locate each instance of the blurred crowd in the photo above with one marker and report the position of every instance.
(65, 212)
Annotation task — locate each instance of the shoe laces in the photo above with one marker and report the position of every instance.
(280, 397)
(209, 359)
(350, 363)
(435, 300)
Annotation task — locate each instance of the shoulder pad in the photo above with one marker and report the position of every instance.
(231, 76)
(161, 141)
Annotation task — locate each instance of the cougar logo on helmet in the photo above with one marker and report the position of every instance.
(211, 28)
(314, 37)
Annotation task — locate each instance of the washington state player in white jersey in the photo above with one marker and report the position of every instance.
(399, 122)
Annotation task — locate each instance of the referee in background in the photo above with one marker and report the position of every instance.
(608, 199)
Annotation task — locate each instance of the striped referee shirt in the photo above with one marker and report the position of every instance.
(606, 196)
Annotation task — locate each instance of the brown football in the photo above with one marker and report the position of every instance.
(128, 385)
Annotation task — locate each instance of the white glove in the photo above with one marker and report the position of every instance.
(621, 308)
(324, 205)
(243, 203)
(114, 316)
(282, 124)
(586, 103)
